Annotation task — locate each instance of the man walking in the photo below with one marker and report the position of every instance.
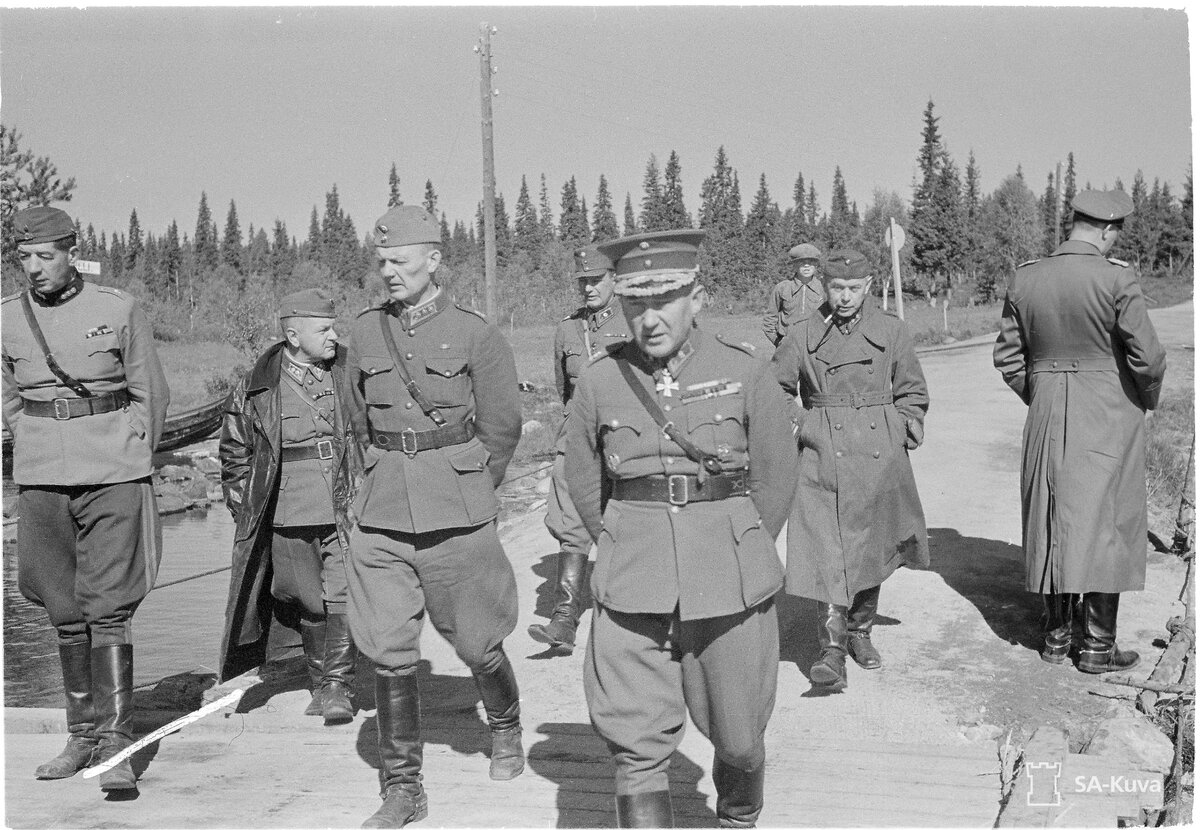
(289, 458)
(85, 399)
(794, 299)
(1077, 346)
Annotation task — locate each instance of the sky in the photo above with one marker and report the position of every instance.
(271, 107)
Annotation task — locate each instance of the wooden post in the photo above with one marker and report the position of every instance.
(489, 172)
(1185, 519)
(896, 269)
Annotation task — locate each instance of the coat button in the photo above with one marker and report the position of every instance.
(870, 370)
(669, 460)
(718, 417)
(872, 425)
(408, 356)
(674, 508)
(1054, 364)
(833, 371)
(1074, 364)
(408, 405)
(614, 423)
(412, 333)
(839, 453)
(837, 426)
(875, 454)
(666, 407)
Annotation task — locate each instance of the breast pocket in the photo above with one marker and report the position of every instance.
(103, 356)
(625, 434)
(716, 425)
(447, 381)
(381, 382)
(573, 361)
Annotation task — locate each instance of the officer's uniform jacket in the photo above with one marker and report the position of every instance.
(101, 338)
(580, 337)
(791, 302)
(857, 514)
(1077, 346)
(703, 559)
(250, 453)
(465, 367)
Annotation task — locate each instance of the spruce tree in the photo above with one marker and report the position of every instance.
(258, 253)
(527, 230)
(89, 242)
(937, 222)
(172, 259)
(675, 213)
(313, 244)
(800, 230)
(545, 213)
(1047, 207)
(430, 201)
(762, 236)
(652, 217)
(394, 188)
(208, 256)
(630, 221)
(572, 224)
(604, 220)
(724, 252)
(231, 245)
(444, 233)
(282, 258)
(136, 249)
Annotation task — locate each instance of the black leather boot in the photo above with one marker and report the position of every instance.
(645, 810)
(739, 794)
(112, 694)
(1099, 652)
(502, 703)
(398, 718)
(860, 620)
(1058, 626)
(312, 636)
(560, 631)
(76, 660)
(829, 671)
(337, 682)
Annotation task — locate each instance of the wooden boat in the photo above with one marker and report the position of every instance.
(180, 430)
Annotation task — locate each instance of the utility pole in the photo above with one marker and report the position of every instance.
(1058, 204)
(484, 48)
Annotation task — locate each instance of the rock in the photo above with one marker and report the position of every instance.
(531, 426)
(1129, 737)
(207, 465)
(948, 339)
(174, 472)
(168, 504)
(983, 732)
(196, 490)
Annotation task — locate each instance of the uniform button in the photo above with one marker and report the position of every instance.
(669, 460)
(870, 370)
(839, 453)
(614, 423)
(1074, 364)
(412, 333)
(833, 371)
(666, 407)
(674, 508)
(310, 381)
(408, 405)
(718, 417)
(872, 425)
(837, 426)
(1054, 364)
(876, 453)
(408, 356)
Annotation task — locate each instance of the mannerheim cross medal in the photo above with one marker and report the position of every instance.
(667, 384)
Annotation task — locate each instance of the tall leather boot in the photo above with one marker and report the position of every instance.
(739, 794)
(337, 682)
(1099, 652)
(398, 718)
(645, 810)
(502, 703)
(860, 620)
(112, 694)
(829, 671)
(560, 631)
(76, 660)
(312, 637)
(1058, 626)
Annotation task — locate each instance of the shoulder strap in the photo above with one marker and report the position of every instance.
(417, 395)
(709, 463)
(68, 381)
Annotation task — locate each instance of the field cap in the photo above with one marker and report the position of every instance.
(41, 224)
(589, 262)
(804, 251)
(1105, 205)
(845, 264)
(649, 264)
(406, 225)
(310, 302)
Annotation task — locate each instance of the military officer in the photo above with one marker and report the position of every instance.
(442, 417)
(85, 399)
(695, 439)
(1077, 346)
(288, 459)
(857, 515)
(592, 329)
(793, 299)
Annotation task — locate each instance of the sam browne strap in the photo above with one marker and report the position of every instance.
(67, 381)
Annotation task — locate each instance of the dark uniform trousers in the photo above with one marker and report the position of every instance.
(88, 554)
(644, 672)
(309, 569)
(461, 576)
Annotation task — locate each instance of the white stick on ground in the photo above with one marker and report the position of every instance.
(230, 699)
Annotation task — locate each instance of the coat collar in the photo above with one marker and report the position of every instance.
(1076, 246)
(265, 374)
(871, 326)
(413, 316)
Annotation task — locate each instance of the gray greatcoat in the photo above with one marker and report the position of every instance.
(251, 437)
(857, 515)
(1078, 347)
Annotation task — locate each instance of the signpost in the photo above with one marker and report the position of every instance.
(894, 237)
(87, 266)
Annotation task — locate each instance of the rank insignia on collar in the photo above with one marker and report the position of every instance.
(295, 370)
(601, 317)
(98, 331)
(710, 389)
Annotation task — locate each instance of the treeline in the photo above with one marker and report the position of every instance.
(221, 283)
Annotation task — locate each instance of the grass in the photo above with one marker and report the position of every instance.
(1170, 430)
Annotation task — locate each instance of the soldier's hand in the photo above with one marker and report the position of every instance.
(916, 433)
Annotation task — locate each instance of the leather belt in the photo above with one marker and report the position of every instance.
(681, 489)
(64, 409)
(855, 399)
(1073, 364)
(410, 442)
(323, 450)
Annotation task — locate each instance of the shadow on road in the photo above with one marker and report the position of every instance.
(798, 621)
(991, 575)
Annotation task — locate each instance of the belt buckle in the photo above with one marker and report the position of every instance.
(675, 485)
(325, 449)
(62, 409)
(408, 436)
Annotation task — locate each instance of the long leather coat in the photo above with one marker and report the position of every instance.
(1077, 346)
(251, 436)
